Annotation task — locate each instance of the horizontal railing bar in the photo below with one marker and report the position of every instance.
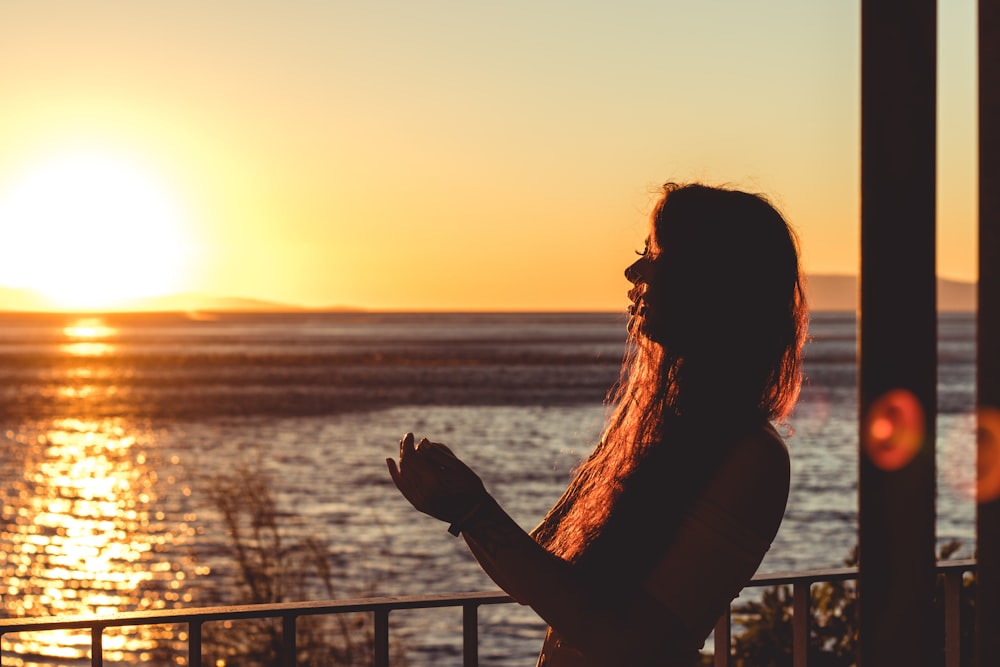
(236, 612)
(804, 576)
(843, 574)
(379, 605)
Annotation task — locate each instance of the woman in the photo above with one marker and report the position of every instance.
(673, 511)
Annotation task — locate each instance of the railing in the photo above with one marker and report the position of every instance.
(800, 582)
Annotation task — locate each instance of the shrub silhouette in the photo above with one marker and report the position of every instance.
(766, 640)
(271, 566)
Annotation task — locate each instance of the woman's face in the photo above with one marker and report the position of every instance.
(641, 273)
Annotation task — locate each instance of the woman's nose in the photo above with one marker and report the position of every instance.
(634, 272)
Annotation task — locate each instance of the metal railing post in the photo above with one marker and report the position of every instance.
(800, 623)
(97, 646)
(952, 619)
(723, 639)
(470, 635)
(194, 643)
(381, 638)
(288, 644)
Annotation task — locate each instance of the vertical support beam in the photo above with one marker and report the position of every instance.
(988, 339)
(897, 334)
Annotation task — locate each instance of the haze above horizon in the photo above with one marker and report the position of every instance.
(392, 155)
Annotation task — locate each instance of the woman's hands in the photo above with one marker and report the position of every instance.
(435, 481)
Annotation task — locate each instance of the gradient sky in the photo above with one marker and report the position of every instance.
(449, 155)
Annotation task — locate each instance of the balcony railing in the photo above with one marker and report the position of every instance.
(800, 582)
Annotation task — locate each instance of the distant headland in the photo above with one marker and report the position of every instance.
(840, 292)
(826, 292)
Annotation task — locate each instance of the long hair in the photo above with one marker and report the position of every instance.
(719, 343)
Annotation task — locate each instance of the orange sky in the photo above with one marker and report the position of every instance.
(423, 155)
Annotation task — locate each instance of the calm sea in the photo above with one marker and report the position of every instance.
(115, 430)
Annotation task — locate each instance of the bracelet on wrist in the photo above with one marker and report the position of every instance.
(457, 527)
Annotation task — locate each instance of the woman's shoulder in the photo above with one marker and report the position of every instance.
(760, 449)
(753, 478)
(741, 447)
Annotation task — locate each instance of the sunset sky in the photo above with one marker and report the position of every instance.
(429, 155)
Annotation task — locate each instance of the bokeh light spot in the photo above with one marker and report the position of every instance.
(987, 454)
(894, 430)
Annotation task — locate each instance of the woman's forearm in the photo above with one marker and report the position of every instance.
(515, 561)
(553, 588)
(437, 483)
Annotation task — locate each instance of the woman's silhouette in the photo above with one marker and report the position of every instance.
(671, 514)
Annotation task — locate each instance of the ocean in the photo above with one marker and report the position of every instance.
(119, 432)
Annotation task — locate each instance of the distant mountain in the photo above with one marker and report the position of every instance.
(824, 291)
(839, 292)
(193, 301)
(956, 295)
(26, 300)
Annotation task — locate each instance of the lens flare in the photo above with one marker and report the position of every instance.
(987, 454)
(894, 429)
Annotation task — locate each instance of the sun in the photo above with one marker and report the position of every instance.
(91, 230)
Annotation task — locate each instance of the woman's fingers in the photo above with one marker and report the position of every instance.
(407, 484)
(436, 447)
(413, 465)
(426, 452)
(427, 465)
(405, 445)
(433, 479)
(393, 471)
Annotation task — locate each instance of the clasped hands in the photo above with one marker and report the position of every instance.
(435, 481)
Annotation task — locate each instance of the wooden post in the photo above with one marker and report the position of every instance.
(988, 338)
(897, 335)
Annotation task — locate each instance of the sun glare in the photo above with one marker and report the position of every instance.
(90, 230)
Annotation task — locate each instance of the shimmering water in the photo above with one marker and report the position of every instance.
(115, 428)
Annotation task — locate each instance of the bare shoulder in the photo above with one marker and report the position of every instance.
(753, 479)
(760, 451)
(727, 531)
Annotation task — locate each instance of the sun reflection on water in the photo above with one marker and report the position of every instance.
(84, 528)
(88, 337)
